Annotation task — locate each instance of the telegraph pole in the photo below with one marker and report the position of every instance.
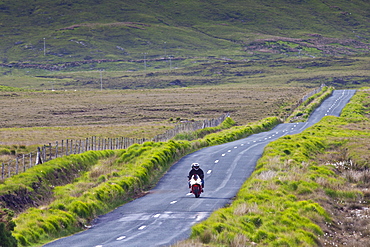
(101, 80)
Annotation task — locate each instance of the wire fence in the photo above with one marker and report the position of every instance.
(67, 147)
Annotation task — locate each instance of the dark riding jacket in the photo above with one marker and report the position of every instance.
(199, 172)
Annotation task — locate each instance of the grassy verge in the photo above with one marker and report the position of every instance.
(299, 181)
(304, 110)
(111, 180)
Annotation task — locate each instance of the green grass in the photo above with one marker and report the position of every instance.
(287, 200)
(75, 31)
(105, 180)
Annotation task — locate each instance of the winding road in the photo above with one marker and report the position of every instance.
(165, 215)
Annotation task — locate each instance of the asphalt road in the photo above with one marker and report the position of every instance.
(166, 214)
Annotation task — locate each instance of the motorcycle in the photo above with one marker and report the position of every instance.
(196, 185)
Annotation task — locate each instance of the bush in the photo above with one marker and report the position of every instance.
(6, 228)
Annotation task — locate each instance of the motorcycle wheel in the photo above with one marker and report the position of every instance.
(196, 191)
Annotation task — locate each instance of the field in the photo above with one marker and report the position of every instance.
(43, 117)
(74, 105)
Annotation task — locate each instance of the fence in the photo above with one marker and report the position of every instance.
(67, 147)
(304, 98)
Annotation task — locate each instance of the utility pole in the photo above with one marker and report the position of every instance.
(170, 63)
(145, 61)
(101, 80)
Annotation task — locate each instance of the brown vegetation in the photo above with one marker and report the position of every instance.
(43, 117)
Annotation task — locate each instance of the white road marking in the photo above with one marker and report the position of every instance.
(235, 147)
(229, 151)
(141, 227)
(209, 171)
(223, 154)
(120, 238)
(242, 144)
(188, 194)
(99, 246)
(216, 161)
(156, 216)
(173, 202)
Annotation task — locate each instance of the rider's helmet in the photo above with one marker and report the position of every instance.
(195, 166)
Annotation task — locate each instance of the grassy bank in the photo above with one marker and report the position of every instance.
(111, 180)
(304, 110)
(298, 184)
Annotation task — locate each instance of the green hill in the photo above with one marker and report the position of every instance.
(122, 30)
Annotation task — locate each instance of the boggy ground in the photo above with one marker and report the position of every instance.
(351, 216)
(47, 116)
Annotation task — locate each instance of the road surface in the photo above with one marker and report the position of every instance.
(165, 215)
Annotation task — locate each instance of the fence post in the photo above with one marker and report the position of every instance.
(2, 170)
(44, 153)
(24, 162)
(30, 160)
(67, 147)
(38, 156)
(16, 166)
(50, 154)
(61, 152)
(56, 149)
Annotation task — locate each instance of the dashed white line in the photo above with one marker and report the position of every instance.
(173, 202)
(223, 154)
(209, 171)
(216, 161)
(229, 151)
(156, 216)
(120, 238)
(141, 227)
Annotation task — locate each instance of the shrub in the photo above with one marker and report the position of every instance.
(6, 227)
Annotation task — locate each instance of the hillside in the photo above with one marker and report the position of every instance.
(124, 30)
(161, 44)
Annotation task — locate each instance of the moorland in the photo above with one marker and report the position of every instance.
(76, 69)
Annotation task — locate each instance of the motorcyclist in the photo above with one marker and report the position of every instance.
(195, 169)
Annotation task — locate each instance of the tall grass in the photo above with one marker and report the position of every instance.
(110, 181)
(284, 202)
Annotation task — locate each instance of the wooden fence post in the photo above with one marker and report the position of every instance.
(24, 162)
(38, 156)
(16, 166)
(2, 170)
(50, 154)
(30, 160)
(44, 153)
(61, 153)
(56, 149)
